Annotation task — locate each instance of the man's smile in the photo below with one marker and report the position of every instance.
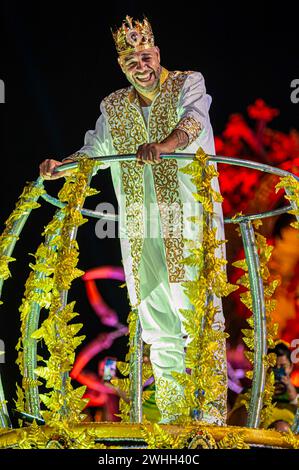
(145, 78)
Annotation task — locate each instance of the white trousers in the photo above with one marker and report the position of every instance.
(162, 328)
(161, 320)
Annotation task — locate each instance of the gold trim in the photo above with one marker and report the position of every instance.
(166, 180)
(131, 50)
(128, 133)
(192, 128)
(107, 430)
(164, 75)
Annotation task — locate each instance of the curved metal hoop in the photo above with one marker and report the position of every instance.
(256, 285)
(184, 156)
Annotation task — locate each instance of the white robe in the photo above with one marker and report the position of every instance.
(161, 299)
(195, 102)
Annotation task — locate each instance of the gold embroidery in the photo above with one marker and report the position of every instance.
(128, 133)
(166, 175)
(191, 126)
(75, 156)
(169, 396)
(171, 212)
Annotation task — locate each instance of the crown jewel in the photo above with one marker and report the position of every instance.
(133, 36)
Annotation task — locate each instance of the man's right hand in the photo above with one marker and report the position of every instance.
(47, 166)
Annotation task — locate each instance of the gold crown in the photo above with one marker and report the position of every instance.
(133, 36)
(279, 341)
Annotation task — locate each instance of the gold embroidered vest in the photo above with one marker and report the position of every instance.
(128, 132)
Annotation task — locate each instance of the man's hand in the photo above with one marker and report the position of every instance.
(149, 153)
(47, 166)
(292, 392)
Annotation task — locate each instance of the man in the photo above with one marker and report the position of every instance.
(285, 394)
(285, 397)
(161, 112)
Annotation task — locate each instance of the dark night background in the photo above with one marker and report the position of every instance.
(58, 61)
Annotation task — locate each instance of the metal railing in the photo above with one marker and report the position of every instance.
(256, 287)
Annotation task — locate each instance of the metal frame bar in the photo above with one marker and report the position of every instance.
(16, 230)
(188, 156)
(256, 285)
(260, 324)
(136, 361)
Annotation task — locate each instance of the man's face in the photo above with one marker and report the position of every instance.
(142, 69)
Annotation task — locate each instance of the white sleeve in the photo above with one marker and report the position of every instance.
(194, 105)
